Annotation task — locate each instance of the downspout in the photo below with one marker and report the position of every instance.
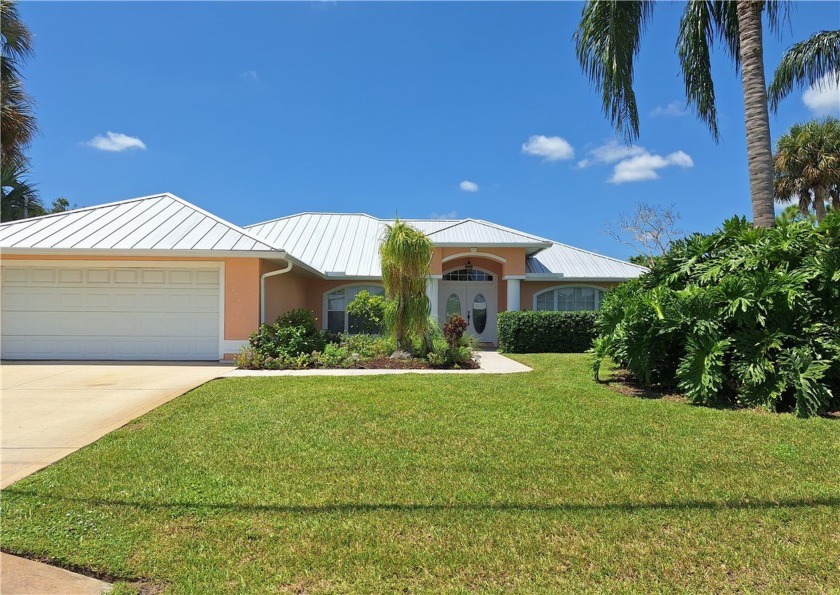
(262, 287)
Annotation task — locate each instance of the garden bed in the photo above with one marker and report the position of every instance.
(385, 363)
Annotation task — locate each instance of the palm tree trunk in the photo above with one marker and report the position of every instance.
(820, 194)
(759, 151)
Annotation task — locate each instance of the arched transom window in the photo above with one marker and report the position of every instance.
(337, 318)
(568, 299)
(467, 275)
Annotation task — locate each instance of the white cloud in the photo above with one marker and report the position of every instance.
(468, 186)
(823, 98)
(611, 152)
(550, 148)
(115, 142)
(449, 215)
(645, 166)
(675, 109)
(250, 75)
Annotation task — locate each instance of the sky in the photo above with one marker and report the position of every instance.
(258, 110)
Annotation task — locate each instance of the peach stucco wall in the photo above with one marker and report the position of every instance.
(529, 288)
(283, 292)
(514, 259)
(242, 285)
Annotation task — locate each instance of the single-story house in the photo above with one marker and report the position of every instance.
(157, 278)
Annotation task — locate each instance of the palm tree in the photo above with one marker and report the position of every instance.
(807, 165)
(406, 255)
(806, 63)
(608, 40)
(17, 122)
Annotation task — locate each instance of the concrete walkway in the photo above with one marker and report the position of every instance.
(492, 362)
(19, 576)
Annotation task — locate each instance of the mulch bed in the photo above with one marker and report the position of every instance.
(624, 383)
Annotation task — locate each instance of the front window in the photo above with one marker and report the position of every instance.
(569, 299)
(338, 320)
(467, 275)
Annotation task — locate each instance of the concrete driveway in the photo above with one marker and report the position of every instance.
(52, 409)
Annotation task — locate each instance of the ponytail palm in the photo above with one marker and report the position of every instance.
(406, 255)
(608, 40)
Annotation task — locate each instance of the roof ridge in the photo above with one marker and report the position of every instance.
(512, 230)
(91, 208)
(218, 219)
(310, 213)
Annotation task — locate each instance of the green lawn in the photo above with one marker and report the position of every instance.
(530, 482)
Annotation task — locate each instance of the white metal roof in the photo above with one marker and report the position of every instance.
(347, 245)
(148, 223)
(574, 263)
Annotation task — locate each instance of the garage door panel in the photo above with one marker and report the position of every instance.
(98, 312)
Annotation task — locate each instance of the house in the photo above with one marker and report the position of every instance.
(158, 278)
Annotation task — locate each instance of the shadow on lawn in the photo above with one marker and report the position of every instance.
(363, 507)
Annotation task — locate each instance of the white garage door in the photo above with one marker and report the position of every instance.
(101, 311)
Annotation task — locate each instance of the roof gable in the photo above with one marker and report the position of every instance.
(157, 222)
(472, 232)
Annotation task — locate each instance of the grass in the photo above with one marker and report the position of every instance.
(533, 482)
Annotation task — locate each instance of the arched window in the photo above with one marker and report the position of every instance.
(467, 275)
(336, 318)
(568, 299)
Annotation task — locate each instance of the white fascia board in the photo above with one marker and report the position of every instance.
(561, 277)
(489, 245)
(274, 254)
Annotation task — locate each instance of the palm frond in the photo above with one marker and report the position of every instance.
(806, 63)
(607, 42)
(693, 47)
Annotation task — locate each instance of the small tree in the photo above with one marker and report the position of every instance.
(650, 229)
(367, 312)
(406, 255)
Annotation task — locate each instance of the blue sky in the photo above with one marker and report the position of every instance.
(259, 110)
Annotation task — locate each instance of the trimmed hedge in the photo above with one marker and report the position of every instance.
(546, 332)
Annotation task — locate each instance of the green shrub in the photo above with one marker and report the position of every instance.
(546, 332)
(744, 316)
(366, 313)
(333, 356)
(292, 334)
(449, 346)
(368, 346)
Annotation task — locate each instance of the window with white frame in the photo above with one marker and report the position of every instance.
(568, 299)
(338, 320)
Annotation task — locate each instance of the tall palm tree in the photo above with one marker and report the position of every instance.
(807, 165)
(608, 40)
(17, 121)
(406, 256)
(806, 63)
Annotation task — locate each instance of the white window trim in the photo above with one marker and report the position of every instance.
(483, 270)
(599, 291)
(325, 301)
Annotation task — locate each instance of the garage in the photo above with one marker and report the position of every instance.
(76, 310)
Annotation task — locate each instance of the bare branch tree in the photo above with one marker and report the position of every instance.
(649, 229)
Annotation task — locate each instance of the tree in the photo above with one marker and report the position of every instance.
(650, 229)
(807, 164)
(17, 122)
(608, 40)
(809, 62)
(406, 255)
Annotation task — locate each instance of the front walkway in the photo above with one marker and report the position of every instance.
(492, 362)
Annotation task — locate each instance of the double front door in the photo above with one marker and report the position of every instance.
(475, 302)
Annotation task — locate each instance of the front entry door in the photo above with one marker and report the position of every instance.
(475, 302)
